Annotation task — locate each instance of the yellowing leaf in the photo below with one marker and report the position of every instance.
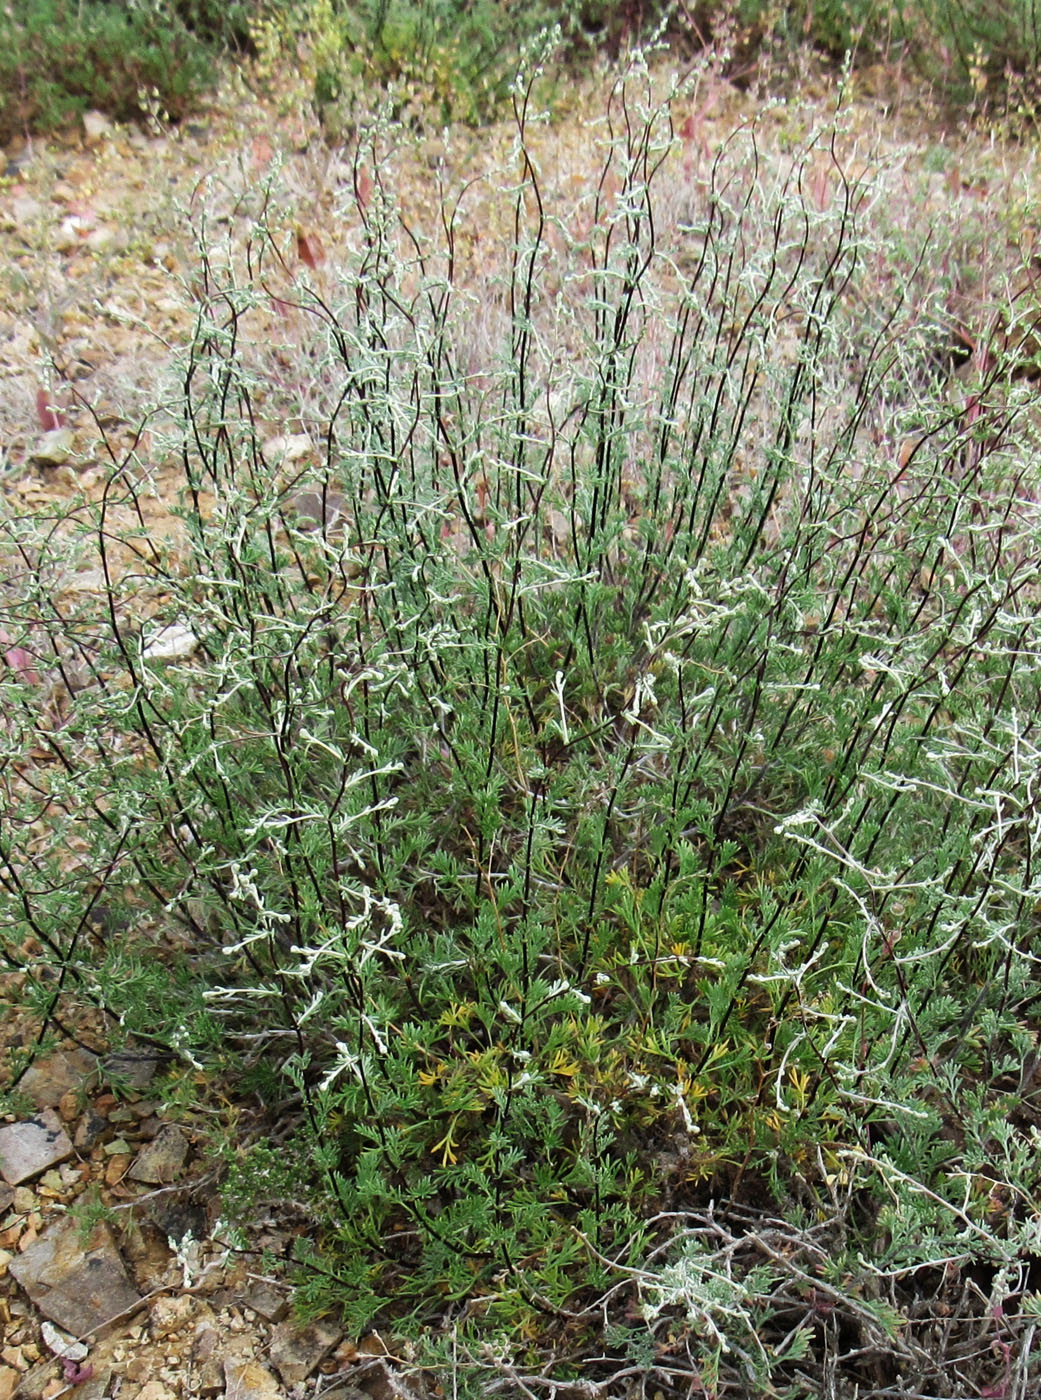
(460, 1013)
(446, 1146)
(563, 1063)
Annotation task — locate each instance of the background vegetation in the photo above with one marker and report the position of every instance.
(446, 60)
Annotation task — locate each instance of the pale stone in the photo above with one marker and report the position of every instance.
(170, 1314)
(116, 1169)
(25, 211)
(80, 1286)
(155, 1390)
(268, 1302)
(311, 509)
(96, 127)
(248, 1380)
(286, 448)
(84, 581)
(205, 1356)
(297, 1351)
(28, 1148)
(133, 1068)
(172, 643)
(161, 1161)
(61, 1344)
(49, 1080)
(71, 233)
(54, 448)
(21, 345)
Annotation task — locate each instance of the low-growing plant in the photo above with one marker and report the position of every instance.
(59, 58)
(442, 61)
(980, 59)
(439, 61)
(833, 27)
(222, 25)
(572, 748)
(980, 49)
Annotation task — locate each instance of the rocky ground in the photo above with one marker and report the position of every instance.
(115, 1277)
(145, 1302)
